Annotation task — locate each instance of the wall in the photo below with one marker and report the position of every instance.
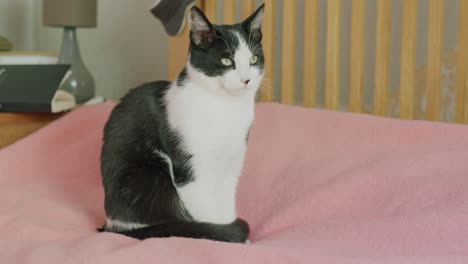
(16, 22)
(128, 48)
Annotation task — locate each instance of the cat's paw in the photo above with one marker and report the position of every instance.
(247, 242)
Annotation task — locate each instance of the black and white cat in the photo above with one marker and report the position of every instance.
(173, 152)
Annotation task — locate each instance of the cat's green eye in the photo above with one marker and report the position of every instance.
(226, 62)
(253, 60)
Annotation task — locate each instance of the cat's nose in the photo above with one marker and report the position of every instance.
(245, 81)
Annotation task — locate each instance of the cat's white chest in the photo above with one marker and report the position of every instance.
(213, 130)
(216, 138)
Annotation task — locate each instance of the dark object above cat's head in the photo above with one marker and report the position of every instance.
(233, 52)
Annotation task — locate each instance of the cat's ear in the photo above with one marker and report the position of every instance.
(202, 32)
(253, 24)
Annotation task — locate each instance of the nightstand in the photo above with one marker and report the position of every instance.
(15, 126)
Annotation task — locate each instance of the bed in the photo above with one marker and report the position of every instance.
(319, 185)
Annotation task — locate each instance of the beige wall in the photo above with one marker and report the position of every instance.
(128, 48)
(16, 20)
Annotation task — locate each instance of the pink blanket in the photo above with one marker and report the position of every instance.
(318, 187)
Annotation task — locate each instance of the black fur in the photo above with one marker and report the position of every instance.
(182, 77)
(137, 181)
(134, 176)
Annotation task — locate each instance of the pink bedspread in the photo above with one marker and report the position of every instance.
(318, 187)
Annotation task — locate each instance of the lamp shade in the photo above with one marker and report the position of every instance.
(69, 13)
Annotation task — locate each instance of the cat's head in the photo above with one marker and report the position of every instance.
(228, 58)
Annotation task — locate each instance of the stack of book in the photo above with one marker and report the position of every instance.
(29, 82)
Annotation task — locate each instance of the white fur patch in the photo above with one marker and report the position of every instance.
(213, 127)
(242, 59)
(168, 160)
(122, 226)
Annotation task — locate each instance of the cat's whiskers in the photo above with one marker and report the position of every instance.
(267, 92)
(256, 47)
(136, 198)
(266, 88)
(267, 82)
(249, 41)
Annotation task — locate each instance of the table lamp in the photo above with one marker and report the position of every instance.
(71, 14)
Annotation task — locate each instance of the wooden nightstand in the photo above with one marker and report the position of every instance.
(15, 126)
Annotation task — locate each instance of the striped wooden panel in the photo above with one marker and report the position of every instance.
(332, 79)
(462, 65)
(310, 53)
(382, 57)
(247, 8)
(434, 59)
(356, 72)
(229, 12)
(266, 94)
(408, 56)
(210, 7)
(289, 52)
(200, 4)
(466, 96)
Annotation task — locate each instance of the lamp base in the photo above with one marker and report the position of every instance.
(78, 80)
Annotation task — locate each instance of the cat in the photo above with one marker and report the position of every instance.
(173, 151)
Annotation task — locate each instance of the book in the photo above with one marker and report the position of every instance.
(17, 57)
(34, 88)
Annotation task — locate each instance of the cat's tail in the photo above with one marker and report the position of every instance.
(236, 231)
